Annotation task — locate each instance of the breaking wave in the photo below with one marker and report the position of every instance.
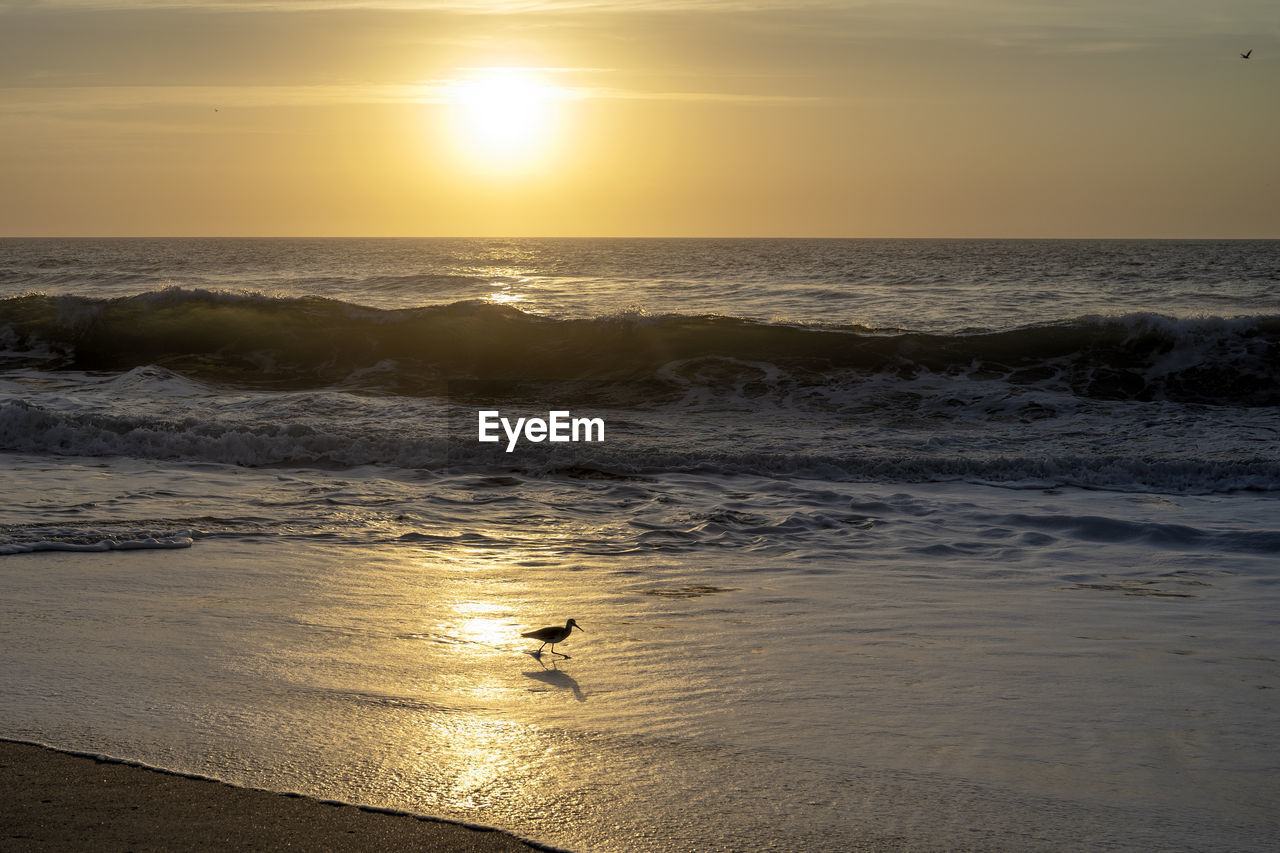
(335, 444)
(297, 343)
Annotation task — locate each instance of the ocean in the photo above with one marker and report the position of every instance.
(875, 544)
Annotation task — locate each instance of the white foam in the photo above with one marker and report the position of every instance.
(89, 542)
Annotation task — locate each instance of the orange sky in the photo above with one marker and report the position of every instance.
(909, 118)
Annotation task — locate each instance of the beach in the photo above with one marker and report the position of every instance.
(1011, 669)
(52, 800)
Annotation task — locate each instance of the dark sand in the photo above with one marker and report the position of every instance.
(54, 801)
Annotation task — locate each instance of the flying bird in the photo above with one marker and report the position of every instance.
(554, 634)
(1245, 55)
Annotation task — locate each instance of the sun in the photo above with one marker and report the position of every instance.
(505, 118)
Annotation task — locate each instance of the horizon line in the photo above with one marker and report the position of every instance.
(609, 237)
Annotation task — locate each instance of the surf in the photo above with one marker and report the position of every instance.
(254, 340)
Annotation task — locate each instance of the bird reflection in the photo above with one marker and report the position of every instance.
(553, 676)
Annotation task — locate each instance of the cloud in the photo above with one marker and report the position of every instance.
(58, 99)
(1072, 24)
(79, 99)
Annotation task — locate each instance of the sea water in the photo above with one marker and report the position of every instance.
(908, 544)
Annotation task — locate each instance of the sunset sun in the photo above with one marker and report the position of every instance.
(505, 118)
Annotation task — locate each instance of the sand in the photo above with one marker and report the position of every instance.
(51, 800)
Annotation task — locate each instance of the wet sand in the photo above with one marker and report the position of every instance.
(51, 800)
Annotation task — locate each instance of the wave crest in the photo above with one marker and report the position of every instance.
(256, 340)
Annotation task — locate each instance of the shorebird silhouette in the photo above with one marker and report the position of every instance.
(554, 634)
(1245, 55)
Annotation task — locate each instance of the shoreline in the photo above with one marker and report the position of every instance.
(53, 799)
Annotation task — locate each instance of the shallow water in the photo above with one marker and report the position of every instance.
(830, 663)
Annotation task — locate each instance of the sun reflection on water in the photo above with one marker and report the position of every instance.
(485, 761)
(505, 297)
(474, 736)
(484, 630)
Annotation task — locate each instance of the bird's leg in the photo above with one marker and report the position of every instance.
(538, 653)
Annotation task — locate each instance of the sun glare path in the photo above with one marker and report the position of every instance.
(505, 117)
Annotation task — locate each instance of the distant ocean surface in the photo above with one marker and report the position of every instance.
(928, 543)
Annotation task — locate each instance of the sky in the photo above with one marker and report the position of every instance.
(700, 118)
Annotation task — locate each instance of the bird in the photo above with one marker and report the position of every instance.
(1245, 55)
(554, 634)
